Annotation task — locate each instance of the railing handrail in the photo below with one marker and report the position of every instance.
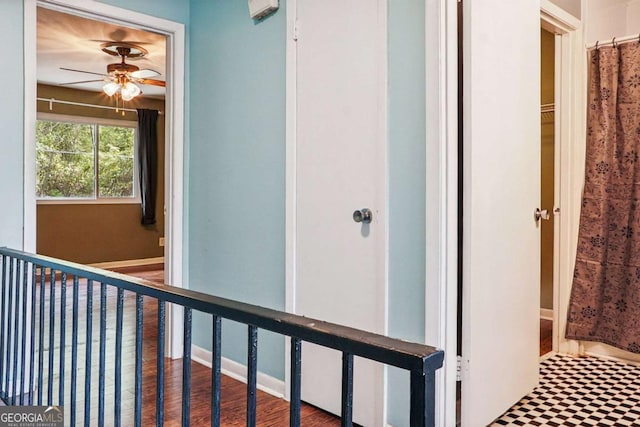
(391, 351)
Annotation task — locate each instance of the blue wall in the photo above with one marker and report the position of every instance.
(406, 189)
(236, 147)
(11, 124)
(237, 167)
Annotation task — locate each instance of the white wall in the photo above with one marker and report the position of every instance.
(633, 17)
(571, 6)
(606, 19)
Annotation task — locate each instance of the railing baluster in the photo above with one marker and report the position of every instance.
(296, 383)
(52, 321)
(420, 360)
(32, 342)
(215, 371)
(347, 390)
(103, 345)
(74, 352)
(252, 371)
(3, 335)
(139, 337)
(10, 318)
(43, 281)
(23, 349)
(422, 412)
(118, 380)
(160, 366)
(63, 329)
(16, 332)
(87, 357)
(186, 369)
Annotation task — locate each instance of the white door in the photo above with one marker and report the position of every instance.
(501, 241)
(340, 265)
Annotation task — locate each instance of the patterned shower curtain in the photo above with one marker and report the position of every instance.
(605, 297)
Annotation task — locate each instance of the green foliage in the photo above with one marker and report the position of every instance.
(66, 166)
(115, 161)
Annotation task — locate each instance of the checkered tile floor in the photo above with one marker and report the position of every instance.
(580, 392)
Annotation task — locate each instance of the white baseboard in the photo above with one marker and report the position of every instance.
(238, 371)
(128, 263)
(546, 314)
(547, 356)
(605, 351)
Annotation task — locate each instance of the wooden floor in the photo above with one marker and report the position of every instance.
(271, 411)
(546, 332)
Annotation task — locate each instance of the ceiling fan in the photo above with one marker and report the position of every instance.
(122, 79)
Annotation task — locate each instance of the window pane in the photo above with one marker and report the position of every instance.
(115, 161)
(64, 161)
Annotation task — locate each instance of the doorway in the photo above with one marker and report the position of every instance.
(87, 154)
(501, 249)
(547, 188)
(174, 129)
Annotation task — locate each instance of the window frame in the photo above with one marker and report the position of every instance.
(96, 199)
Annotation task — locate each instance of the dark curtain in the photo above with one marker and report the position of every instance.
(605, 297)
(148, 163)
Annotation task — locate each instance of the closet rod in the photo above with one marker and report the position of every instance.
(82, 104)
(616, 40)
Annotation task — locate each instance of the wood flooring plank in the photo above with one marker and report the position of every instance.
(546, 336)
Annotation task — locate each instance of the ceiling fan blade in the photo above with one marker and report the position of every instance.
(83, 81)
(81, 71)
(144, 74)
(152, 82)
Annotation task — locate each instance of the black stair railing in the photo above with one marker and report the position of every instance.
(34, 343)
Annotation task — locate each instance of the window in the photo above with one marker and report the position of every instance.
(85, 160)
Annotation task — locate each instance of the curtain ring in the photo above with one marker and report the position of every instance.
(597, 41)
(613, 42)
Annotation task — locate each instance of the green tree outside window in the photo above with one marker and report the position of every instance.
(77, 160)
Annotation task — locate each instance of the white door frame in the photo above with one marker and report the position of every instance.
(174, 155)
(441, 262)
(291, 184)
(570, 76)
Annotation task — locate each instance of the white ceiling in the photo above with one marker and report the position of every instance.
(71, 41)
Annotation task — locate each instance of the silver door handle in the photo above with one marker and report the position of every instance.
(541, 214)
(363, 215)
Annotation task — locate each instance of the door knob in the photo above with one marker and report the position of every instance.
(541, 214)
(362, 215)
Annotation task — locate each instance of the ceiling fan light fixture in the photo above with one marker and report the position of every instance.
(129, 91)
(111, 88)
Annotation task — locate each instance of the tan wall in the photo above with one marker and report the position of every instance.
(91, 233)
(547, 170)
